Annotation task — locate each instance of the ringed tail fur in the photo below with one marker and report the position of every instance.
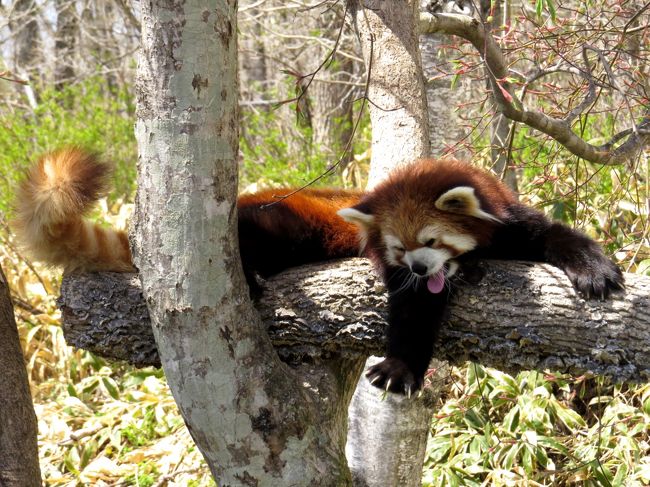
(59, 190)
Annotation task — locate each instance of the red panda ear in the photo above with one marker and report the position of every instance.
(357, 216)
(360, 216)
(463, 200)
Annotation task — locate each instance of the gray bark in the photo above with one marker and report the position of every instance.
(520, 316)
(18, 431)
(255, 420)
(500, 126)
(445, 131)
(398, 114)
(402, 446)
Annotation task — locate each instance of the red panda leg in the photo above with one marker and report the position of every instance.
(414, 319)
(528, 235)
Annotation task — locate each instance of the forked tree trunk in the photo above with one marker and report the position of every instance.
(256, 421)
(18, 449)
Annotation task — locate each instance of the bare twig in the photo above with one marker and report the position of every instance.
(348, 145)
(591, 94)
(510, 105)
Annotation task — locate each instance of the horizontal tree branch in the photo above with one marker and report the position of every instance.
(475, 32)
(520, 316)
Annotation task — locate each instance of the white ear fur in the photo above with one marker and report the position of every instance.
(362, 220)
(359, 218)
(463, 200)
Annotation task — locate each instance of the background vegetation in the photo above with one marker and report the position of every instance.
(109, 424)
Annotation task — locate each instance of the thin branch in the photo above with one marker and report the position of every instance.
(591, 94)
(509, 104)
(348, 145)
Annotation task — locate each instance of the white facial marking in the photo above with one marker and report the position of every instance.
(394, 249)
(462, 243)
(392, 242)
(452, 268)
(427, 233)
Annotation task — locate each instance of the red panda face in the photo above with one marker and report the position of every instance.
(421, 234)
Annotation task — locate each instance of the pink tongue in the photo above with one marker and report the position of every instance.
(436, 283)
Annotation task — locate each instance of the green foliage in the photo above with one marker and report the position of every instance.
(606, 202)
(90, 114)
(541, 5)
(123, 424)
(277, 155)
(541, 429)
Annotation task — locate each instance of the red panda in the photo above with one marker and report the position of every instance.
(276, 233)
(431, 216)
(418, 226)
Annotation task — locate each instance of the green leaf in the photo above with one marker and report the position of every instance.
(551, 9)
(511, 421)
(510, 457)
(602, 474)
(474, 420)
(90, 385)
(111, 387)
(570, 418)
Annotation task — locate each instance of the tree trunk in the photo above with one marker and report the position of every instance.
(400, 134)
(256, 421)
(67, 32)
(398, 113)
(500, 126)
(18, 431)
(445, 132)
(399, 443)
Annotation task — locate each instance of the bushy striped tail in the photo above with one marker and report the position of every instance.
(50, 209)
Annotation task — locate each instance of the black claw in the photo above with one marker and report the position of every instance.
(394, 375)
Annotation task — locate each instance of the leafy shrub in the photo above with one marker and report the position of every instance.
(540, 429)
(100, 119)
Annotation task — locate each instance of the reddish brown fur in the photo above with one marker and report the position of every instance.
(315, 210)
(63, 185)
(405, 202)
(50, 207)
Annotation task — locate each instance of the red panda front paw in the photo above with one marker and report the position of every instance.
(394, 375)
(597, 278)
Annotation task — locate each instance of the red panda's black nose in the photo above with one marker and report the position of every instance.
(419, 269)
